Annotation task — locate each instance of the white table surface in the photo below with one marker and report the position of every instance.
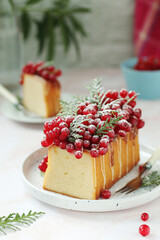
(17, 141)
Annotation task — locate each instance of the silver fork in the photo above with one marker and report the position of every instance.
(135, 183)
(14, 100)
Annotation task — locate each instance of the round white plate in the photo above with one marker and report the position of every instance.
(33, 180)
(10, 111)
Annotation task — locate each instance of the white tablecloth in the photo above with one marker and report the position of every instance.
(18, 140)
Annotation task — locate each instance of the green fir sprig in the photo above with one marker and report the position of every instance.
(14, 220)
(151, 180)
(68, 108)
(107, 126)
(96, 92)
(77, 127)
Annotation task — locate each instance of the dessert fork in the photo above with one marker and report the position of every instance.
(14, 100)
(135, 183)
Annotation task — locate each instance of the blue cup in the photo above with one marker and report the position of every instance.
(147, 83)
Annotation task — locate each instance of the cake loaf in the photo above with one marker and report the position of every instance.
(41, 89)
(94, 146)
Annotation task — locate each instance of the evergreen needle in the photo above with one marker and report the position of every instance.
(12, 220)
(152, 179)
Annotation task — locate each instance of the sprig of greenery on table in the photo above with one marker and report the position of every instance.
(12, 220)
(61, 14)
(152, 179)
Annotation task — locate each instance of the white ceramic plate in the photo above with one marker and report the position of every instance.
(34, 180)
(12, 113)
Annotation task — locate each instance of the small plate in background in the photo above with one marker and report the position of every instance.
(10, 111)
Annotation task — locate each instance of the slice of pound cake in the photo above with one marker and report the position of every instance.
(92, 143)
(41, 89)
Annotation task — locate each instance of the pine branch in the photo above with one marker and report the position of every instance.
(68, 108)
(77, 127)
(108, 126)
(96, 92)
(12, 220)
(151, 180)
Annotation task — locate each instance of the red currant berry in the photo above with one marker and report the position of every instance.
(82, 131)
(104, 142)
(87, 103)
(144, 216)
(46, 126)
(87, 135)
(124, 125)
(106, 116)
(106, 194)
(44, 143)
(141, 123)
(62, 145)
(46, 158)
(144, 230)
(56, 141)
(78, 154)
(69, 119)
(58, 73)
(137, 112)
(58, 120)
(56, 132)
(131, 94)
(121, 133)
(65, 132)
(94, 145)
(82, 106)
(132, 103)
(80, 111)
(123, 93)
(95, 139)
(63, 125)
(43, 166)
(115, 106)
(111, 133)
(128, 109)
(78, 143)
(97, 121)
(102, 150)
(108, 94)
(133, 120)
(70, 147)
(94, 152)
(86, 144)
(62, 137)
(92, 129)
(114, 94)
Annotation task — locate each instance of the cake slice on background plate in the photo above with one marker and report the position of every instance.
(41, 89)
(92, 143)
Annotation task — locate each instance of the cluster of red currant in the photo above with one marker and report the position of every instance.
(148, 63)
(48, 73)
(97, 130)
(44, 164)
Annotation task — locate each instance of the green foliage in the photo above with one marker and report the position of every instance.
(60, 15)
(12, 220)
(108, 125)
(151, 180)
(68, 108)
(76, 127)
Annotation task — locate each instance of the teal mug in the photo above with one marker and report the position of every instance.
(146, 83)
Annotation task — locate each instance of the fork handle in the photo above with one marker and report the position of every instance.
(155, 156)
(8, 95)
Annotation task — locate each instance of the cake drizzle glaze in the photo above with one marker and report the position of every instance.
(95, 175)
(119, 156)
(110, 161)
(103, 170)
